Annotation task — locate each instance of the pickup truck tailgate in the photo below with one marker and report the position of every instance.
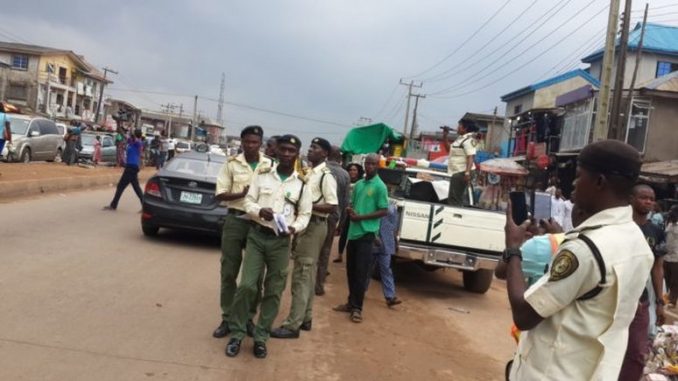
(441, 225)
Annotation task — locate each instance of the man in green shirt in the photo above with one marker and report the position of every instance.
(368, 205)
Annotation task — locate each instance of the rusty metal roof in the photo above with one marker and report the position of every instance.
(661, 171)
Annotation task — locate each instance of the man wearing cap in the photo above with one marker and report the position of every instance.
(232, 185)
(460, 162)
(575, 319)
(277, 198)
(305, 251)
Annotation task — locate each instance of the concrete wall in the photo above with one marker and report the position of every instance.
(546, 97)
(647, 68)
(662, 137)
(21, 77)
(525, 101)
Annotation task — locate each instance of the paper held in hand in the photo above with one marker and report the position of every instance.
(280, 224)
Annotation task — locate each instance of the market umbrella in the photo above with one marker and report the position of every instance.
(501, 166)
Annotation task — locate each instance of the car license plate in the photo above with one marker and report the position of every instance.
(191, 198)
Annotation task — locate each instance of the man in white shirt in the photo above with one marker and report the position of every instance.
(171, 145)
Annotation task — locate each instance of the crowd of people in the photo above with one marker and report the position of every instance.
(279, 211)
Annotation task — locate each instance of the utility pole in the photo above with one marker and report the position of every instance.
(414, 114)
(601, 127)
(194, 121)
(220, 106)
(101, 92)
(409, 95)
(639, 52)
(615, 110)
(169, 109)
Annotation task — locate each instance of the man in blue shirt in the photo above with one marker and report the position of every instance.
(131, 174)
(385, 246)
(5, 132)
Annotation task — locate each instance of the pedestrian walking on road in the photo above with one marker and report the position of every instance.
(305, 251)
(276, 199)
(356, 173)
(671, 257)
(587, 300)
(642, 201)
(233, 183)
(369, 204)
(131, 173)
(343, 192)
(97, 150)
(385, 246)
(171, 145)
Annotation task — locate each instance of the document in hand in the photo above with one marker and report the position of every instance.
(280, 224)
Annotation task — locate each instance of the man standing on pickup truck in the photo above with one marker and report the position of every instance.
(575, 319)
(369, 204)
(460, 162)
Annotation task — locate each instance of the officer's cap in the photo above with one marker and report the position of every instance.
(611, 157)
(252, 130)
(324, 144)
(291, 139)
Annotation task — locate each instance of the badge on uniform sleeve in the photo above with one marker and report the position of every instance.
(474, 142)
(564, 265)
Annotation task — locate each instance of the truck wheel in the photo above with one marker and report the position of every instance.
(478, 281)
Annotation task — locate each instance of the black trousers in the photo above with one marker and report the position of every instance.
(358, 263)
(129, 176)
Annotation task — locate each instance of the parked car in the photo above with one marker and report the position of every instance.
(33, 138)
(183, 146)
(108, 150)
(181, 195)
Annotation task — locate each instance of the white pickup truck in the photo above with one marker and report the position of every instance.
(437, 235)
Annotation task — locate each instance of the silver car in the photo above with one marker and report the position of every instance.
(108, 149)
(33, 138)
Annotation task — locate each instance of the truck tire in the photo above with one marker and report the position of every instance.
(478, 281)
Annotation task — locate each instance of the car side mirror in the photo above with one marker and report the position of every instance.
(33, 134)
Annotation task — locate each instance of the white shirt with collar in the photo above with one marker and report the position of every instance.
(463, 146)
(326, 192)
(586, 339)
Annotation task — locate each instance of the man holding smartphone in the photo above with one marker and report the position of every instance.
(460, 162)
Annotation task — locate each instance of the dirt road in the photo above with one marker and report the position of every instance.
(85, 296)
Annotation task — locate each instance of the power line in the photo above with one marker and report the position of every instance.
(454, 71)
(467, 82)
(655, 8)
(388, 101)
(465, 41)
(576, 55)
(504, 76)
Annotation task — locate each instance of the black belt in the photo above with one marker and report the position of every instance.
(236, 212)
(315, 218)
(263, 229)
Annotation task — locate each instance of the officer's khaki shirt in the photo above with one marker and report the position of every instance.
(269, 191)
(586, 340)
(463, 146)
(328, 194)
(235, 175)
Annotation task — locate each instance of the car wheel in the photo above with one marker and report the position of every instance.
(26, 156)
(478, 281)
(149, 230)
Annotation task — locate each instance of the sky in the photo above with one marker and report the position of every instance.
(318, 68)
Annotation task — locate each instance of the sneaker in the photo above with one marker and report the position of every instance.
(394, 301)
(343, 308)
(356, 316)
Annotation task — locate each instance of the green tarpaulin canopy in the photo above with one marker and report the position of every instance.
(368, 139)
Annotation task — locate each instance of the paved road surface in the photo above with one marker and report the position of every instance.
(84, 296)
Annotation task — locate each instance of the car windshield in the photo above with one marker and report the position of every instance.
(18, 126)
(194, 167)
(88, 140)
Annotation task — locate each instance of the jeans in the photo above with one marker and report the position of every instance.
(358, 260)
(129, 176)
(383, 264)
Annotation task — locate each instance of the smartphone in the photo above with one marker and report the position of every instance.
(542, 206)
(518, 207)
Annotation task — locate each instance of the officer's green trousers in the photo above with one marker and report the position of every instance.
(233, 240)
(457, 188)
(269, 254)
(305, 253)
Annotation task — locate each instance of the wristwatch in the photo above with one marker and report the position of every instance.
(511, 252)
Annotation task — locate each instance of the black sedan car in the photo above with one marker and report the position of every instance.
(181, 195)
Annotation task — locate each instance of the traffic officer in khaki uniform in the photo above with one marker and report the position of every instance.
(460, 162)
(575, 319)
(232, 185)
(275, 196)
(306, 250)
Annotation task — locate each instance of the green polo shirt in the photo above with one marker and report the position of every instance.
(368, 197)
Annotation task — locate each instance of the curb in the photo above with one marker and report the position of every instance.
(23, 188)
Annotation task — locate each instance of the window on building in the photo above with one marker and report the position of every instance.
(20, 61)
(576, 125)
(636, 131)
(18, 92)
(517, 109)
(62, 75)
(664, 68)
(60, 99)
